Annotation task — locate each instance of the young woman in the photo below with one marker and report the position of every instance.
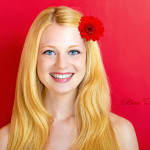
(62, 99)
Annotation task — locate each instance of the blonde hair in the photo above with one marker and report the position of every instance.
(30, 120)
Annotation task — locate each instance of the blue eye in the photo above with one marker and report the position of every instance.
(75, 52)
(49, 52)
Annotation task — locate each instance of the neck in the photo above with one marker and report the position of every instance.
(60, 106)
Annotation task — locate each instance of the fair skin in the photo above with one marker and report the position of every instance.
(60, 97)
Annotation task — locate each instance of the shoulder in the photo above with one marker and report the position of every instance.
(125, 133)
(4, 134)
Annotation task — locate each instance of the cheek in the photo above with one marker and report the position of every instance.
(42, 66)
(80, 64)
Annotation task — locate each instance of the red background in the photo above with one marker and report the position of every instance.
(125, 49)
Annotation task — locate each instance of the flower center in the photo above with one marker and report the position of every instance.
(89, 29)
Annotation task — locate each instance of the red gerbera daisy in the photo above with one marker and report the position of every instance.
(90, 28)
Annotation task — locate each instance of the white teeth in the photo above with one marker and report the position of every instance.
(61, 76)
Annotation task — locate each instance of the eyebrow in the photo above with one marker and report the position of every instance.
(55, 47)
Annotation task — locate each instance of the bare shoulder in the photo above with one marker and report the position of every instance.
(124, 132)
(4, 134)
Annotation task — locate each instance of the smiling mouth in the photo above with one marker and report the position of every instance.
(65, 76)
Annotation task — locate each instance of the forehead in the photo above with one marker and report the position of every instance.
(59, 35)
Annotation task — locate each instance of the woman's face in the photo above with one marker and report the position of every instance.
(61, 50)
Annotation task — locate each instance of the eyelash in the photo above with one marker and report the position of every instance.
(70, 51)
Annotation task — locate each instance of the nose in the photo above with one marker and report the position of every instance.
(61, 61)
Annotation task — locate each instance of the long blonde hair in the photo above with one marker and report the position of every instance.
(30, 120)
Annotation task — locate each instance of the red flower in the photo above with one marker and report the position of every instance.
(90, 28)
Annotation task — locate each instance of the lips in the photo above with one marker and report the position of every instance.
(61, 80)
